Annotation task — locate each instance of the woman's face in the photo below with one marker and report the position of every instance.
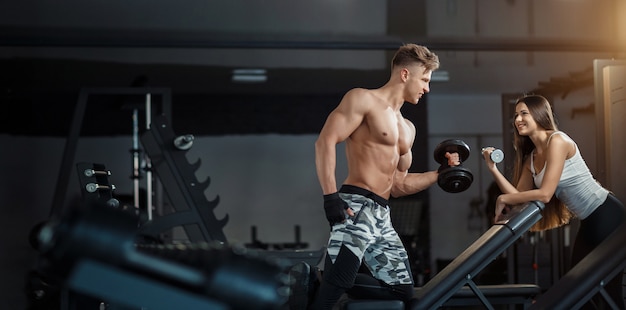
(524, 121)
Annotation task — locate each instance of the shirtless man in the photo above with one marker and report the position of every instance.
(378, 147)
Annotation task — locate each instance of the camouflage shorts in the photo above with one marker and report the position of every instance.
(370, 235)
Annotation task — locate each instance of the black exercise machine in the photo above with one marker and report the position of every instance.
(92, 251)
(454, 285)
(192, 210)
(462, 270)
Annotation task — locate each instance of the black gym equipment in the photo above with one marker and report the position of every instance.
(45, 290)
(92, 250)
(95, 186)
(186, 193)
(455, 286)
(71, 144)
(453, 179)
(99, 254)
(462, 270)
(192, 210)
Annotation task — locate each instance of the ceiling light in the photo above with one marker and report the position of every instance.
(440, 76)
(249, 75)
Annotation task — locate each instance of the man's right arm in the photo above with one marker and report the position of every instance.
(340, 124)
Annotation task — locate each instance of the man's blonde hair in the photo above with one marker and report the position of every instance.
(409, 54)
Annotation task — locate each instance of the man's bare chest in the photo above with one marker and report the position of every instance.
(391, 130)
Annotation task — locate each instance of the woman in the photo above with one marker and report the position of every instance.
(549, 168)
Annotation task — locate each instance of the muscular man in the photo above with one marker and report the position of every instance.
(378, 147)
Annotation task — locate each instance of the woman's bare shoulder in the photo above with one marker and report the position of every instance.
(562, 142)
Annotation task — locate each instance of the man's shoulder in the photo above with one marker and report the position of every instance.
(357, 96)
(358, 91)
(366, 94)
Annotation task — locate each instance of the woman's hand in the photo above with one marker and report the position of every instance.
(501, 209)
(486, 152)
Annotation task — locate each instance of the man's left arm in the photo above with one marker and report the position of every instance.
(405, 183)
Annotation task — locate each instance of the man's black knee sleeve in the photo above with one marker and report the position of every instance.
(368, 287)
(343, 272)
(404, 291)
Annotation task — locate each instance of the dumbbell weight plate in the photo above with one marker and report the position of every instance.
(455, 179)
(497, 156)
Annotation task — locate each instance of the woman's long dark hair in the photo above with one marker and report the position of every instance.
(555, 213)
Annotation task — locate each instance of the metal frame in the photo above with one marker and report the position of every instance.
(67, 161)
(186, 193)
(34, 37)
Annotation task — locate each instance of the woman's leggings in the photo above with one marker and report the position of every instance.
(593, 230)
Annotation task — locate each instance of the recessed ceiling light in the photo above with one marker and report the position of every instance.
(249, 75)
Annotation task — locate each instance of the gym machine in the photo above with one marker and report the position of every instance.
(455, 286)
(186, 194)
(462, 270)
(92, 251)
(193, 211)
(71, 144)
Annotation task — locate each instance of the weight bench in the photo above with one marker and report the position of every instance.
(454, 284)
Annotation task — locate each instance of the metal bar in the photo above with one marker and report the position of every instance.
(34, 37)
(68, 155)
(479, 293)
(136, 168)
(147, 160)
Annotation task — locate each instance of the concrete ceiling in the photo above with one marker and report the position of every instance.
(473, 65)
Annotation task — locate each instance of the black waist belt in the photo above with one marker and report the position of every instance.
(351, 189)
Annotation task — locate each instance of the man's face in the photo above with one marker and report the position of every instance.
(417, 83)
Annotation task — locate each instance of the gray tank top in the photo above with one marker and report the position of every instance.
(577, 188)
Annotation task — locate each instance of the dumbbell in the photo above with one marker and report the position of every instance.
(496, 155)
(453, 179)
(184, 142)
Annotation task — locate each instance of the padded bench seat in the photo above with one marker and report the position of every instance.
(501, 294)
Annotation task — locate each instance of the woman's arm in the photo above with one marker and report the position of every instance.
(557, 152)
(525, 181)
